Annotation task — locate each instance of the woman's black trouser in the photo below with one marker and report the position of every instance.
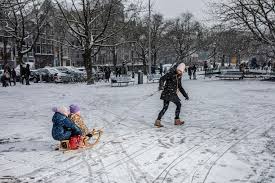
(165, 107)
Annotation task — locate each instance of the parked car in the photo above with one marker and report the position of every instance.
(1, 73)
(75, 74)
(50, 74)
(34, 76)
(82, 69)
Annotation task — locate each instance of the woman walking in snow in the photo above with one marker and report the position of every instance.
(171, 85)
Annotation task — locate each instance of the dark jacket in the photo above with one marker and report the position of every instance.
(194, 68)
(189, 70)
(13, 73)
(27, 71)
(171, 83)
(63, 127)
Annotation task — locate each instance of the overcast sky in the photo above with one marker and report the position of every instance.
(173, 8)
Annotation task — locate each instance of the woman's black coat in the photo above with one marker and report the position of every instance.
(172, 83)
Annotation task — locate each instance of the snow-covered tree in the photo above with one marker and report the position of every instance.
(255, 16)
(93, 23)
(23, 22)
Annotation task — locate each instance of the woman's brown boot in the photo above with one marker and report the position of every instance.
(158, 124)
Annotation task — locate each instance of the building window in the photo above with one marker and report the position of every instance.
(30, 53)
(38, 49)
(49, 49)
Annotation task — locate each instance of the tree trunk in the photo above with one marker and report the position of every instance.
(155, 58)
(144, 62)
(5, 55)
(114, 56)
(20, 58)
(223, 60)
(61, 55)
(88, 66)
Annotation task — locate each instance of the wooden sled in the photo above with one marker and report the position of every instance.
(64, 145)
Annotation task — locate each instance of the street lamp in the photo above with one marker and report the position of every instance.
(132, 58)
(149, 51)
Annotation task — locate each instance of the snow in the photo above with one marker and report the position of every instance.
(229, 135)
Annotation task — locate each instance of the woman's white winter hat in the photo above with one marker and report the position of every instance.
(181, 67)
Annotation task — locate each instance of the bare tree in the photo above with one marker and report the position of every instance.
(138, 33)
(159, 28)
(93, 23)
(223, 42)
(23, 21)
(255, 16)
(184, 34)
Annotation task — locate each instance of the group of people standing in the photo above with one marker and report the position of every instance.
(192, 72)
(267, 65)
(9, 75)
(107, 73)
(123, 70)
(25, 73)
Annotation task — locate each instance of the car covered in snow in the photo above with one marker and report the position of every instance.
(50, 74)
(75, 74)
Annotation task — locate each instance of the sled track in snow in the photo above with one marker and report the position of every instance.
(137, 167)
(99, 172)
(221, 152)
(137, 153)
(180, 158)
(123, 118)
(194, 148)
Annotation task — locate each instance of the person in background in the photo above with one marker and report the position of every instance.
(27, 74)
(189, 72)
(194, 68)
(10, 76)
(205, 67)
(5, 78)
(13, 75)
(22, 74)
(161, 69)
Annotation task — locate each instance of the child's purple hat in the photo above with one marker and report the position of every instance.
(74, 108)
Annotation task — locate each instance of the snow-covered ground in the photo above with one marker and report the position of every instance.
(229, 135)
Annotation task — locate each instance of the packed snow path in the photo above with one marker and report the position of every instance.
(229, 135)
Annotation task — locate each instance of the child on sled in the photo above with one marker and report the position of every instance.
(79, 121)
(63, 128)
